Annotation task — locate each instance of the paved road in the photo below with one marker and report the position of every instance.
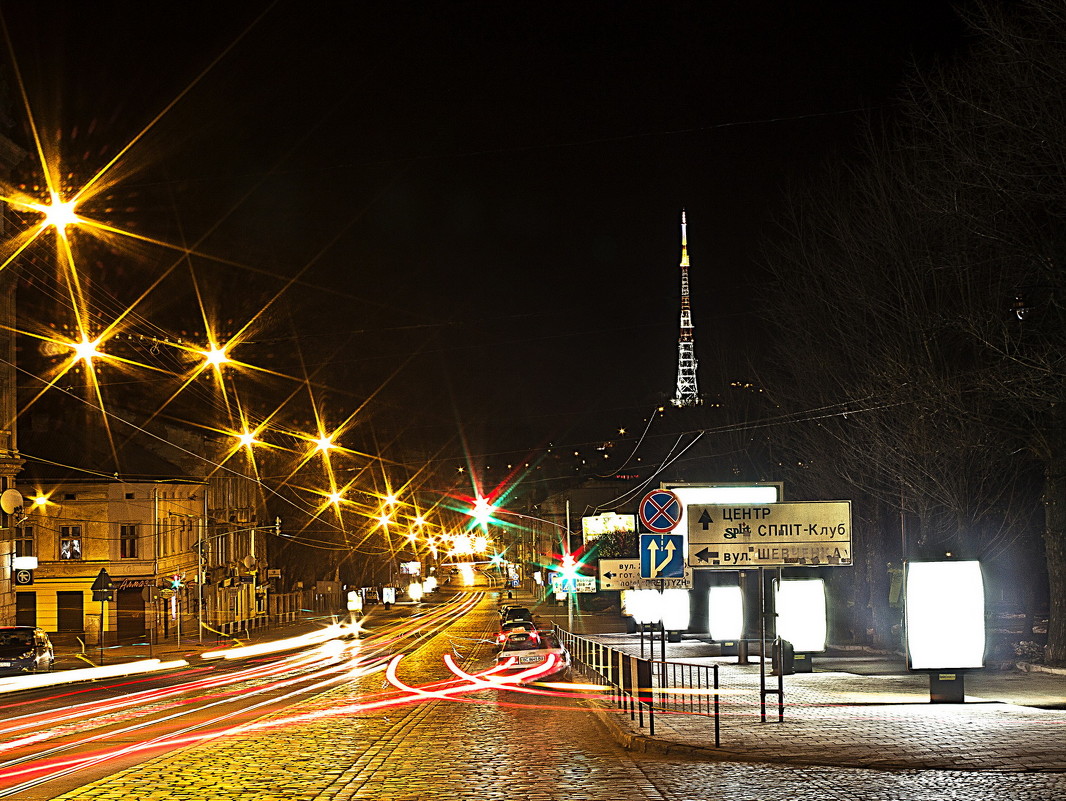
(498, 745)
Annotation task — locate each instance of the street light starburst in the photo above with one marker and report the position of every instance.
(57, 213)
(85, 350)
(215, 356)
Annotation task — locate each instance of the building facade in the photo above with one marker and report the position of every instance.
(142, 534)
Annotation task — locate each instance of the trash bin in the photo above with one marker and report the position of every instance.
(784, 658)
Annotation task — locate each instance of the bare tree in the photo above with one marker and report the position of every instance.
(917, 308)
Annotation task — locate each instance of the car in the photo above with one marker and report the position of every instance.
(509, 627)
(25, 649)
(528, 652)
(517, 613)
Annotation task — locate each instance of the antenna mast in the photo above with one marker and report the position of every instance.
(687, 392)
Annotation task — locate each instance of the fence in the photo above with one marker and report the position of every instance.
(641, 685)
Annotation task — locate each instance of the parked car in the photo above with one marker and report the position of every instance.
(517, 613)
(509, 627)
(503, 611)
(528, 653)
(25, 649)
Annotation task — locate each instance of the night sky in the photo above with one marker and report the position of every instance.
(477, 204)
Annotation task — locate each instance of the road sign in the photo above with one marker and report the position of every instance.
(813, 534)
(102, 581)
(660, 511)
(574, 584)
(624, 574)
(662, 556)
(103, 588)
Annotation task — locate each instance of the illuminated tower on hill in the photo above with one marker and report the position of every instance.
(687, 392)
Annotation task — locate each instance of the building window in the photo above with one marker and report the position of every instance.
(24, 541)
(127, 541)
(70, 542)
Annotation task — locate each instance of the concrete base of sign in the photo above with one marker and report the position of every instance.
(946, 688)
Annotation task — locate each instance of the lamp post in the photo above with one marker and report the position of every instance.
(198, 546)
(483, 511)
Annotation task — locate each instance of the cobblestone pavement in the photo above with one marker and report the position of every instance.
(883, 721)
(502, 745)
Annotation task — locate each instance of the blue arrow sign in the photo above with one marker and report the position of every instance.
(662, 556)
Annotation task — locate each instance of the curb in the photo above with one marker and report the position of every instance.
(647, 744)
(1031, 667)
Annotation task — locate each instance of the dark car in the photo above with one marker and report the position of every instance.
(25, 649)
(517, 613)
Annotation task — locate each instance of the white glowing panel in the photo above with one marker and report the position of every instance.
(643, 605)
(674, 609)
(945, 615)
(726, 613)
(800, 605)
(697, 496)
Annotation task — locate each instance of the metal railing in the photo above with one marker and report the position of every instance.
(641, 685)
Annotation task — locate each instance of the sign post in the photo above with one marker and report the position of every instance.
(103, 591)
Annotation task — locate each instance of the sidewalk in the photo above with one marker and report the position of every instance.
(856, 709)
(71, 653)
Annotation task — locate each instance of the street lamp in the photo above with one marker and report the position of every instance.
(201, 568)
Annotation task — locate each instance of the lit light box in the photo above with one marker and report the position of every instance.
(726, 613)
(945, 615)
(801, 617)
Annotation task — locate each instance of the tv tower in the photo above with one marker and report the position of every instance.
(687, 392)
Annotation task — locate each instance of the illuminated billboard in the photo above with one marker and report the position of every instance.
(801, 615)
(608, 523)
(945, 615)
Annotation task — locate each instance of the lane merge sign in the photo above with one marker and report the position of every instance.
(813, 534)
(662, 556)
(660, 511)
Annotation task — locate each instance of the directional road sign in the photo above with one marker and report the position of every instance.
(662, 556)
(575, 584)
(624, 574)
(660, 511)
(811, 534)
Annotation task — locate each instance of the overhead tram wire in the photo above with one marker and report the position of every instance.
(208, 461)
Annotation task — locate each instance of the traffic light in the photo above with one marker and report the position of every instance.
(482, 511)
(568, 569)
